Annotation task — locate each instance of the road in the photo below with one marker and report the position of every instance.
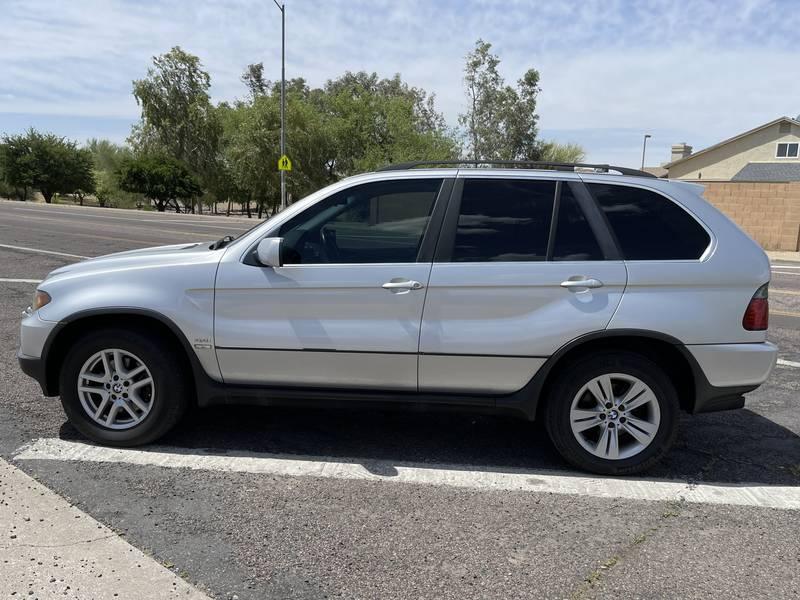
(290, 503)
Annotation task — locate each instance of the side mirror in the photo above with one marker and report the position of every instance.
(269, 252)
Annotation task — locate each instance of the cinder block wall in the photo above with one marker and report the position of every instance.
(768, 212)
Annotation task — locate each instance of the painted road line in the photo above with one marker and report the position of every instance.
(40, 251)
(519, 480)
(192, 223)
(153, 230)
(785, 266)
(788, 363)
(54, 550)
(787, 292)
(785, 273)
(11, 280)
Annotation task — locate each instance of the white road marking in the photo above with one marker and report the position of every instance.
(156, 220)
(785, 266)
(40, 251)
(12, 280)
(788, 363)
(784, 273)
(786, 292)
(521, 480)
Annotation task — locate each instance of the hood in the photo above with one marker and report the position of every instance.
(158, 256)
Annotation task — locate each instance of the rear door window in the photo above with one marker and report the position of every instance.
(504, 220)
(574, 239)
(649, 226)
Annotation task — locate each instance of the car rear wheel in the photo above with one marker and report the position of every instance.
(614, 414)
(123, 388)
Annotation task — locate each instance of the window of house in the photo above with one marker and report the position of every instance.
(788, 150)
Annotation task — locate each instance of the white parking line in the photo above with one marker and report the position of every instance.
(784, 273)
(788, 363)
(12, 280)
(785, 266)
(520, 480)
(40, 251)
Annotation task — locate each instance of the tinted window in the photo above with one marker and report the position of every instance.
(649, 226)
(504, 220)
(574, 238)
(370, 223)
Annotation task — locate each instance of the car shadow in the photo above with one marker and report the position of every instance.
(722, 448)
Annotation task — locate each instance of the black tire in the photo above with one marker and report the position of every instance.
(169, 377)
(575, 375)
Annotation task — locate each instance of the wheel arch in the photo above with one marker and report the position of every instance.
(667, 351)
(137, 319)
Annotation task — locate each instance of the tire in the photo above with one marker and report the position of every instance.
(644, 430)
(143, 415)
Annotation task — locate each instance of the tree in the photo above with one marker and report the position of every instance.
(80, 174)
(501, 121)
(160, 178)
(253, 78)
(552, 151)
(48, 163)
(178, 118)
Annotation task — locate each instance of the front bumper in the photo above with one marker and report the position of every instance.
(34, 333)
(33, 366)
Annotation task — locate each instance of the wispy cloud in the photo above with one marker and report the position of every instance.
(611, 70)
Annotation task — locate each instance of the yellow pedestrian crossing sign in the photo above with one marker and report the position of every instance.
(284, 164)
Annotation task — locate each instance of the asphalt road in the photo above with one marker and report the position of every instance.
(283, 535)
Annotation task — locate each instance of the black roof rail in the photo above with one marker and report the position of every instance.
(525, 164)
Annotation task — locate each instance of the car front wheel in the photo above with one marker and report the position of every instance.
(123, 388)
(614, 414)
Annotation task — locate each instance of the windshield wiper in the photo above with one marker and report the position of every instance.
(222, 242)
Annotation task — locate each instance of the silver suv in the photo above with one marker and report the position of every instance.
(599, 299)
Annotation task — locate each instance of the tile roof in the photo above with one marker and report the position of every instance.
(774, 171)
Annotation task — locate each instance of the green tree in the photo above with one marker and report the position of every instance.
(178, 118)
(107, 155)
(501, 121)
(80, 174)
(552, 151)
(160, 178)
(48, 163)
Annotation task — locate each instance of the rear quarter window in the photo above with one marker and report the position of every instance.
(649, 226)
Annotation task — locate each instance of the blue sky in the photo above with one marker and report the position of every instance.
(696, 71)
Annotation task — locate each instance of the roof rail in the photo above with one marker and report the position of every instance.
(525, 164)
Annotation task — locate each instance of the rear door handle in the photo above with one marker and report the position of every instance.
(583, 282)
(400, 285)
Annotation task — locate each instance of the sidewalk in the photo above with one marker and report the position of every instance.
(50, 549)
(786, 256)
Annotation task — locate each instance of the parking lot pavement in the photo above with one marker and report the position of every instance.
(52, 549)
(376, 504)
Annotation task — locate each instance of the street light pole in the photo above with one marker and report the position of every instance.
(282, 8)
(644, 147)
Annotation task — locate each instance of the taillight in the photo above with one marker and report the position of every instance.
(756, 317)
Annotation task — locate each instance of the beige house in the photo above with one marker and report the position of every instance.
(768, 153)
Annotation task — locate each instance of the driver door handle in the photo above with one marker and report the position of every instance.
(402, 285)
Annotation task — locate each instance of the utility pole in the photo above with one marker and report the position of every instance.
(644, 147)
(282, 8)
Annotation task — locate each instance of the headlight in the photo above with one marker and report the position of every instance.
(40, 299)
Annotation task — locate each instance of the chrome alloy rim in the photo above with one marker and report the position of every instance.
(615, 416)
(116, 389)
